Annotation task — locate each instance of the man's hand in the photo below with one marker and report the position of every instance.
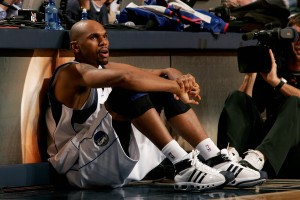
(185, 98)
(248, 83)
(271, 77)
(195, 92)
(186, 81)
(190, 89)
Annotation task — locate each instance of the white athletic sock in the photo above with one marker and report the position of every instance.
(174, 152)
(207, 149)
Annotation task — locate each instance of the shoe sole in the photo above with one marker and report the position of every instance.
(188, 186)
(251, 183)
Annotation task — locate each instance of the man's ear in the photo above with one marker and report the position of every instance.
(75, 46)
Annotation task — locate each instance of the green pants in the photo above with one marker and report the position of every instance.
(242, 126)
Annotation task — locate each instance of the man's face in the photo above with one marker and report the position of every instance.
(93, 45)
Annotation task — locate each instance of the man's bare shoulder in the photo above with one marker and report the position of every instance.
(72, 74)
(76, 69)
(84, 67)
(69, 88)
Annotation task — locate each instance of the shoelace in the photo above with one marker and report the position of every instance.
(226, 155)
(199, 165)
(232, 156)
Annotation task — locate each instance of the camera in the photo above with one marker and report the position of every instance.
(257, 58)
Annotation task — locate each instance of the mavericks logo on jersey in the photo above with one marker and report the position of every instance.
(101, 138)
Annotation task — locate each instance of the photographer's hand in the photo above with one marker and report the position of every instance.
(271, 77)
(273, 80)
(248, 82)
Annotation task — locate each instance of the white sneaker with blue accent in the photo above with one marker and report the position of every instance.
(244, 176)
(254, 159)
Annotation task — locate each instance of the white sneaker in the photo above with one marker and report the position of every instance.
(244, 176)
(191, 174)
(255, 159)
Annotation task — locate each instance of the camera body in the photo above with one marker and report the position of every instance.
(257, 58)
(254, 59)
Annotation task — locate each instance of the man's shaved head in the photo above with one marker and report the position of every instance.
(81, 27)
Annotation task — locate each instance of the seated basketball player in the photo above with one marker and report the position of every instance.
(105, 128)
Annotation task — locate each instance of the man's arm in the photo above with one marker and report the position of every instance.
(186, 82)
(274, 80)
(248, 83)
(288, 90)
(73, 83)
(126, 76)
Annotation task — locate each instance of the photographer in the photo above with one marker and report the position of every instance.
(270, 142)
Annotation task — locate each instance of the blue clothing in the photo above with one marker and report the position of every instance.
(175, 16)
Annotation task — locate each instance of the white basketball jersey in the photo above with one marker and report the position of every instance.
(84, 146)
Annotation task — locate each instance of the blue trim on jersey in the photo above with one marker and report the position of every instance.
(137, 96)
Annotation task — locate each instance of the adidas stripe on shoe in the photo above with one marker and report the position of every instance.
(191, 174)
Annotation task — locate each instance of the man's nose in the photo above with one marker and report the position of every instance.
(103, 41)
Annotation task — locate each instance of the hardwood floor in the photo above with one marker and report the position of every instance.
(276, 189)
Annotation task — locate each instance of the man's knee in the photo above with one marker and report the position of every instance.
(167, 102)
(177, 107)
(237, 98)
(133, 104)
(128, 103)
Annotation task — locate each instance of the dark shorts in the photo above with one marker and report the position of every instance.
(133, 104)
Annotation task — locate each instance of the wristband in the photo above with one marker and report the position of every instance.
(281, 83)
